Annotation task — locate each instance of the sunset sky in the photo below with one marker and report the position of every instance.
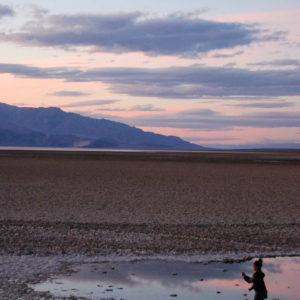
(212, 72)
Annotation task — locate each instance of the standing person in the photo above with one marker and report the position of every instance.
(257, 279)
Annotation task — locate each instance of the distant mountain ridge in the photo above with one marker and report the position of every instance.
(52, 127)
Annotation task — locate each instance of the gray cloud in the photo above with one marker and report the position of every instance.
(112, 109)
(222, 55)
(266, 144)
(146, 107)
(190, 82)
(211, 120)
(238, 98)
(230, 65)
(269, 104)
(207, 139)
(278, 63)
(69, 94)
(6, 11)
(25, 71)
(36, 10)
(175, 34)
(89, 103)
(195, 81)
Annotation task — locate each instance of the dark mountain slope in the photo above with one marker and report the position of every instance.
(42, 125)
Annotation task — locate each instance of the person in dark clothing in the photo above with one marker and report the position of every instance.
(257, 279)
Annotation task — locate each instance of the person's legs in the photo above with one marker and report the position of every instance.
(259, 296)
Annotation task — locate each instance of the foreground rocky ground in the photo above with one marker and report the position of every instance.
(44, 238)
(60, 205)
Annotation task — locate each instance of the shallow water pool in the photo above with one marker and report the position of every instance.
(158, 280)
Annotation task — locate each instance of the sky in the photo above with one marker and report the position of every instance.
(215, 73)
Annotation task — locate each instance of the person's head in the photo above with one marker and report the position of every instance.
(257, 265)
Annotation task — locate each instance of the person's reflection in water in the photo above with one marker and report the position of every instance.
(258, 281)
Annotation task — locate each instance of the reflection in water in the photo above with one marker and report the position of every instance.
(158, 280)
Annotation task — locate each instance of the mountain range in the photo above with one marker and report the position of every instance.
(53, 127)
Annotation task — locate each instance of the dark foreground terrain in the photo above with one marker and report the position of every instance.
(149, 203)
(63, 209)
